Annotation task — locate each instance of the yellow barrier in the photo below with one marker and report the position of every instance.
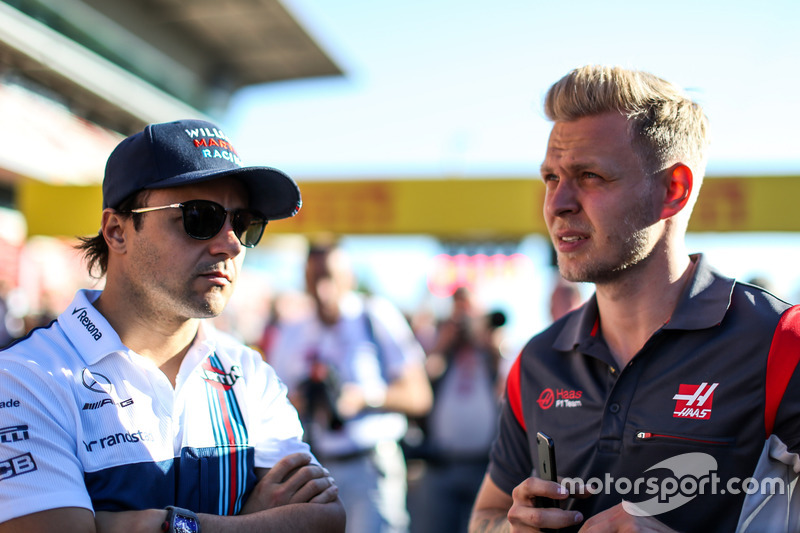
(59, 210)
(469, 208)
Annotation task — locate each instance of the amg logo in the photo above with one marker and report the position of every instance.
(106, 401)
(83, 318)
(118, 438)
(13, 434)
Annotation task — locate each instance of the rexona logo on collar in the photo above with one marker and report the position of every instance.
(83, 318)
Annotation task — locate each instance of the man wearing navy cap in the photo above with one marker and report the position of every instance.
(130, 412)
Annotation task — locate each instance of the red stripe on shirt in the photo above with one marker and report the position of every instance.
(515, 392)
(232, 466)
(784, 355)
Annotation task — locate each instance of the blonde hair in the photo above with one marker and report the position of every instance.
(666, 126)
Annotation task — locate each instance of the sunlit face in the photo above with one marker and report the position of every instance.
(171, 274)
(600, 208)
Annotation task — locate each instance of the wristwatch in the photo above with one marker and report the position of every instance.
(180, 520)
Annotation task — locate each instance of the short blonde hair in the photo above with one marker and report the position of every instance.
(666, 126)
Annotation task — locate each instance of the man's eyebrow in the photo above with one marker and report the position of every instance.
(572, 167)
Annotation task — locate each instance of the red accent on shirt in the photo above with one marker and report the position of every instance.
(515, 393)
(784, 355)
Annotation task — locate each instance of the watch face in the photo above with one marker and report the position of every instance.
(185, 524)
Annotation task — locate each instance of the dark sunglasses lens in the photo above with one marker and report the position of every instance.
(203, 219)
(249, 227)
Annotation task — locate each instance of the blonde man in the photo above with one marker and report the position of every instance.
(661, 379)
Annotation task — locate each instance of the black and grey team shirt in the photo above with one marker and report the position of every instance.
(677, 433)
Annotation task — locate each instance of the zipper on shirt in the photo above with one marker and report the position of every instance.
(707, 441)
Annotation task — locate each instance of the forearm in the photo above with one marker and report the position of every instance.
(489, 521)
(327, 517)
(410, 393)
(401, 400)
(490, 513)
(148, 520)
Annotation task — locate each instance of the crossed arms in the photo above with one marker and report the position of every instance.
(294, 495)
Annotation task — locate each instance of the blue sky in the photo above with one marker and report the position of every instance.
(443, 88)
(449, 88)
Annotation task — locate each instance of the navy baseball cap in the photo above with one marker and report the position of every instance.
(191, 151)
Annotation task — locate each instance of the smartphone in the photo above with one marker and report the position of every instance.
(546, 466)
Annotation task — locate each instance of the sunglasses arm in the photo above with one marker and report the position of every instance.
(148, 209)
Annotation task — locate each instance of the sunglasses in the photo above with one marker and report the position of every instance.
(202, 219)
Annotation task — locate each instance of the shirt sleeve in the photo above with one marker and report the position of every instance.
(277, 431)
(39, 464)
(783, 374)
(398, 345)
(510, 460)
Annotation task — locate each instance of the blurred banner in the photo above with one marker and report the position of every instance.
(487, 209)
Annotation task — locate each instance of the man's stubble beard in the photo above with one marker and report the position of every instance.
(634, 251)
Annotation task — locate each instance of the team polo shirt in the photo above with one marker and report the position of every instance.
(86, 422)
(696, 386)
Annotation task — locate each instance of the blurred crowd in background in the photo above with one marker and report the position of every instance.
(461, 349)
(461, 345)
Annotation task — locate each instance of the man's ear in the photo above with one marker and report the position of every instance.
(679, 183)
(113, 230)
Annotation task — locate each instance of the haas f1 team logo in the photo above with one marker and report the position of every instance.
(559, 398)
(694, 401)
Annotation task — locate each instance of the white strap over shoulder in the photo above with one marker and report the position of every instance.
(775, 506)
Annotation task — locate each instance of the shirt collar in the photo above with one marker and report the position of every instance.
(705, 301)
(702, 305)
(203, 345)
(88, 330)
(94, 338)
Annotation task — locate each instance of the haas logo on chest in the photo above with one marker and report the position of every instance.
(694, 401)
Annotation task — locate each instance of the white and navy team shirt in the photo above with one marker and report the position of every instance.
(87, 422)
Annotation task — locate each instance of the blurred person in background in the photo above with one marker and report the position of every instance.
(5, 315)
(463, 366)
(670, 372)
(355, 372)
(130, 412)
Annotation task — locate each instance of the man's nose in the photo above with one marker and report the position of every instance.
(561, 199)
(226, 241)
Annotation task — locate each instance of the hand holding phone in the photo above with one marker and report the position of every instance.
(546, 466)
